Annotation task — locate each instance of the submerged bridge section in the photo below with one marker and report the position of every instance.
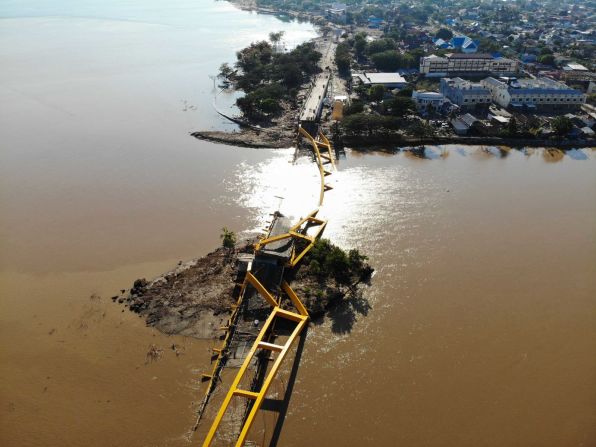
(283, 248)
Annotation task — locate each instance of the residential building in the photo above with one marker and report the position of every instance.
(577, 72)
(337, 12)
(465, 124)
(428, 101)
(533, 93)
(466, 65)
(465, 94)
(387, 80)
(374, 22)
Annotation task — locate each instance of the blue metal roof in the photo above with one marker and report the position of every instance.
(458, 41)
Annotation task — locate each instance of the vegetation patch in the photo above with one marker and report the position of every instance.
(328, 280)
(270, 77)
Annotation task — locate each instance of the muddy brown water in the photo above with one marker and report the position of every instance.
(480, 325)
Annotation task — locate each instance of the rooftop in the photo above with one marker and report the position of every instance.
(382, 78)
(572, 66)
(427, 95)
(470, 56)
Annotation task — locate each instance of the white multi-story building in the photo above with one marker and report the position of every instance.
(428, 101)
(337, 12)
(533, 93)
(467, 65)
(465, 94)
(387, 80)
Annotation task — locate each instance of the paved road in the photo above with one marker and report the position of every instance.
(317, 92)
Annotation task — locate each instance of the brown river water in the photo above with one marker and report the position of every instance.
(480, 322)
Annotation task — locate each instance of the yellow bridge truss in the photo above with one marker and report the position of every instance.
(323, 157)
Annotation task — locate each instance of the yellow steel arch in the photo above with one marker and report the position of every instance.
(298, 231)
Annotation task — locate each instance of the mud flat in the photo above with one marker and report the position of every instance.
(249, 138)
(190, 300)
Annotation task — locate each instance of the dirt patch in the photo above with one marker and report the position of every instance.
(250, 138)
(195, 299)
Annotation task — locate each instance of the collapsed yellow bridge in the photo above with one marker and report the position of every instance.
(299, 319)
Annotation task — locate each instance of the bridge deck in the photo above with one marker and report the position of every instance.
(313, 105)
(281, 249)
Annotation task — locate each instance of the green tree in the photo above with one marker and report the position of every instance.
(228, 238)
(547, 59)
(387, 60)
(275, 38)
(444, 34)
(380, 45)
(512, 127)
(391, 60)
(401, 106)
(422, 130)
(265, 99)
(406, 92)
(376, 92)
(338, 265)
(545, 50)
(343, 58)
(225, 71)
(356, 260)
(361, 123)
(360, 44)
(356, 106)
(561, 125)
(270, 105)
(357, 123)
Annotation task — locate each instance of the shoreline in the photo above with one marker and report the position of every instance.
(516, 143)
(245, 138)
(254, 140)
(280, 132)
(284, 135)
(251, 6)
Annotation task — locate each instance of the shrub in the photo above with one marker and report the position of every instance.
(228, 238)
(326, 261)
(562, 125)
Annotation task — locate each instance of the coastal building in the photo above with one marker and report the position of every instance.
(387, 80)
(465, 94)
(465, 124)
(466, 65)
(533, 93)
(428, 101)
